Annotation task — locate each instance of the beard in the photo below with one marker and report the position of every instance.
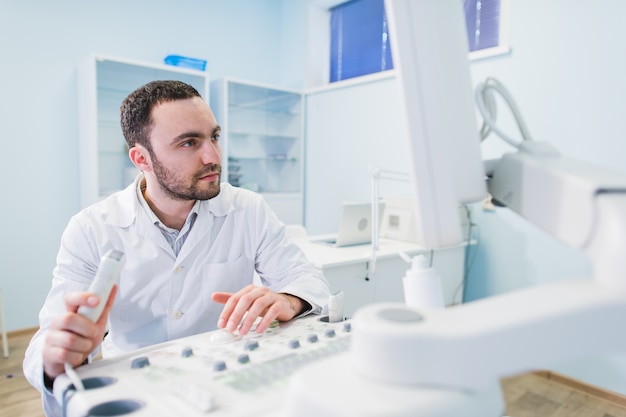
(176, 187)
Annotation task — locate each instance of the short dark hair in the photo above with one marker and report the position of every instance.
(136, 109)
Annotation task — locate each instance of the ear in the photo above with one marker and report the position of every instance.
(140, 157)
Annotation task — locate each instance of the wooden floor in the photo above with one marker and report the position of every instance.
(546, 394)
(17, 397)
(541, 394)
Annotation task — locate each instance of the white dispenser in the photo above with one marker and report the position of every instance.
(422, 284)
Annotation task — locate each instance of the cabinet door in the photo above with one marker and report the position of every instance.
(262, 142)
(104, 83)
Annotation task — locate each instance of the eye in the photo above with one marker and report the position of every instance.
(188, 143)
(215, 137)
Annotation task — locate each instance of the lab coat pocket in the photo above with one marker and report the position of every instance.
(226, 277)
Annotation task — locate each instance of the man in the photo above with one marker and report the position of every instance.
(192, 246)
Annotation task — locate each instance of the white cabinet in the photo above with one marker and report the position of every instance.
(262, 142)
(104, 82)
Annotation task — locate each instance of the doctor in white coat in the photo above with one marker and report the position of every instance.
(192, 247)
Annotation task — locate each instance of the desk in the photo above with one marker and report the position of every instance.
(347, 269)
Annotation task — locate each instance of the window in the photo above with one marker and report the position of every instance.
(487, 27)
(482, 19)
(359, 41)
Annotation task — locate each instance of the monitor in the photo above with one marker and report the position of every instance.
(430, 53)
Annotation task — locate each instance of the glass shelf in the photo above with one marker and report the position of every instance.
(262, 141)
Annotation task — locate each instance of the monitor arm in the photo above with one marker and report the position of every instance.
(449, 362)
(570, 200)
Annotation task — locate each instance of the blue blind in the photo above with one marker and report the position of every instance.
(483, 23)
(359, 39)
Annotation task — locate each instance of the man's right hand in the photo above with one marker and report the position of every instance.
(72, 337)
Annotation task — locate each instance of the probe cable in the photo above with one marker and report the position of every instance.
(487, 107)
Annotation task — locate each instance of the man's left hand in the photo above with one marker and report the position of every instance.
(256, 302)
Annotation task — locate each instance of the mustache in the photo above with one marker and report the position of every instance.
(210, 169)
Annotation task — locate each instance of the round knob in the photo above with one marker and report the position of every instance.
(251, 345)
(140, 362)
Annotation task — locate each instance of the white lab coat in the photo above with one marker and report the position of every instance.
(162, 296)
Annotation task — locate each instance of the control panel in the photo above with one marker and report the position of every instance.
(215, 374)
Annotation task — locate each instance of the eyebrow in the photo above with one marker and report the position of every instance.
(193, 134)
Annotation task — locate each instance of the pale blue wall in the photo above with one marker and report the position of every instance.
(567, 74)
(42, 44)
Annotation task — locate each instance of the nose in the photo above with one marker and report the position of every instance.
(211, 152)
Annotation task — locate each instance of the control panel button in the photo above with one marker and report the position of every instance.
(251, 345)
(140, 362)
(219, 366)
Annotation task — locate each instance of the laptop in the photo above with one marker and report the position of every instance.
(355, 225)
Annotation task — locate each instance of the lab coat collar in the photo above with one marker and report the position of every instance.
(223, 203)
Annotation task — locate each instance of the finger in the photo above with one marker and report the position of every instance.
(226, 318)
(75, 299)
(64, 346)
(267, 305)
(268, 318)
(74, 323)
(281, 310)
(54, 360)
(228, 300)
(68, 341)
(221, 297)
(238, 304)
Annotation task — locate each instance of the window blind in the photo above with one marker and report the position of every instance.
(359, 39)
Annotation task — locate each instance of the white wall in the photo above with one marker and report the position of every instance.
(349, 129)
(42, 44)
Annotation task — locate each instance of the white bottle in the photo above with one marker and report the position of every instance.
(422, 284)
